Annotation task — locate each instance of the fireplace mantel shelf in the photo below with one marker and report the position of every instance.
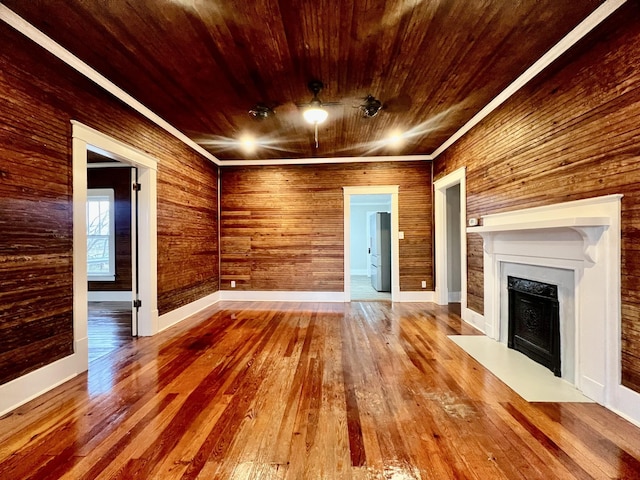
(589, 228)
(573, 223)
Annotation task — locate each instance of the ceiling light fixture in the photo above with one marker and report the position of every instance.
(371, 106)
(395, 139)
(261, 112)
(314, 113)
(248, 144)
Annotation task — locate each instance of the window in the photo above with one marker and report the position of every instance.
(101, 261)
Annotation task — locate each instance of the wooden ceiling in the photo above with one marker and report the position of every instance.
(203, 64)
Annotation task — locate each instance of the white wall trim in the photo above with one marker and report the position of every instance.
(395, 243)
(109, 296)
(575, 35)
(474, 319)
(626, 403)
(27, 387)
(322, 160)
(86, 138)
(74, 62)
(440, 187)
(182, 313)
(280, 296)
(418, 296)
(588, 24)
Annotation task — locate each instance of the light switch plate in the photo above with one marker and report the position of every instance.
(401, 235)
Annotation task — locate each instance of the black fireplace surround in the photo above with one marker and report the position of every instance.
(534, 321)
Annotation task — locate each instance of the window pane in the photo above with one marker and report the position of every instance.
(100, 238)
(98, 254)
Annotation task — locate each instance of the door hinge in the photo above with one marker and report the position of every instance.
(137, 303)
(137, 187)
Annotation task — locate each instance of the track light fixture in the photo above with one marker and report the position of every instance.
(371, 106)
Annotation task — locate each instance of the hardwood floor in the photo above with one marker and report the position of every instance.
(363, 390)
(109, 327)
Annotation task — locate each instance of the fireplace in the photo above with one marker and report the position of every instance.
(576, 247)
(534, 321)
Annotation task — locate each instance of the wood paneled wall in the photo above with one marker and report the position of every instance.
(572, 133)
(120, 180)
(38, 97)
(282, 226)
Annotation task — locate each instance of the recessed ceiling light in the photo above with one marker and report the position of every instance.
(248, 144)
(395, 139)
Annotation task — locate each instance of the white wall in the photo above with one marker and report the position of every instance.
(453, 239)
(359, 241)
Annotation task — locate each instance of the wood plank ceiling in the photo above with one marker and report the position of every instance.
(202, 65)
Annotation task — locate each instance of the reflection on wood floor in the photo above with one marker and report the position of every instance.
(109, 327)
(361, 390)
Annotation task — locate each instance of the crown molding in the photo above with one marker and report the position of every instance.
(574, 36)
(31, 32)
(323, 160)
(579, 32)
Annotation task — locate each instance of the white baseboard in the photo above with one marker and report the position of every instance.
(474, 319)
(175, 316)
(27, 387)
(362, 272)
(280, 296)
(110, 296)
(418, 296)
(626, 403)
(455, 297)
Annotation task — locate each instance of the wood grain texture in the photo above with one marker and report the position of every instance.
(120, 180)
(203, 65)
(308, 391)
(109, 327)
(38, 98)
(572, 133)
(282, 228)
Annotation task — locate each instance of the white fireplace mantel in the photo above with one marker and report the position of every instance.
(589, 228)
(582, 237)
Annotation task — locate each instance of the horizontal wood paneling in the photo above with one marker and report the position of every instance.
(572, 133)
(282, 226)
(120, 180)
(201, 65)
(38, 98)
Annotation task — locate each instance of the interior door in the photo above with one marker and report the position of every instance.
(135, 283)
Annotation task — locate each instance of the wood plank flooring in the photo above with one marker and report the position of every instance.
(109, 327)
(363, 390)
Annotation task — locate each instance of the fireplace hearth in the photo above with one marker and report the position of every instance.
(534, 321)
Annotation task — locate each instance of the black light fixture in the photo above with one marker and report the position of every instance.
(261, 112)
(371, 106)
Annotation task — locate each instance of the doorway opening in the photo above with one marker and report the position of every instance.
(370, 246)
(142, 301)
(451, 239)
(371, 250)
(111, 254)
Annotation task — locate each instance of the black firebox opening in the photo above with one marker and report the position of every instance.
(534, 321)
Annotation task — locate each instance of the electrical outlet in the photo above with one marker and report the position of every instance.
(233, 284)
(424, 284)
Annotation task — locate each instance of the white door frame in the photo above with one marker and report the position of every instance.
(440, 206)
(395, 246)
(86, 138)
